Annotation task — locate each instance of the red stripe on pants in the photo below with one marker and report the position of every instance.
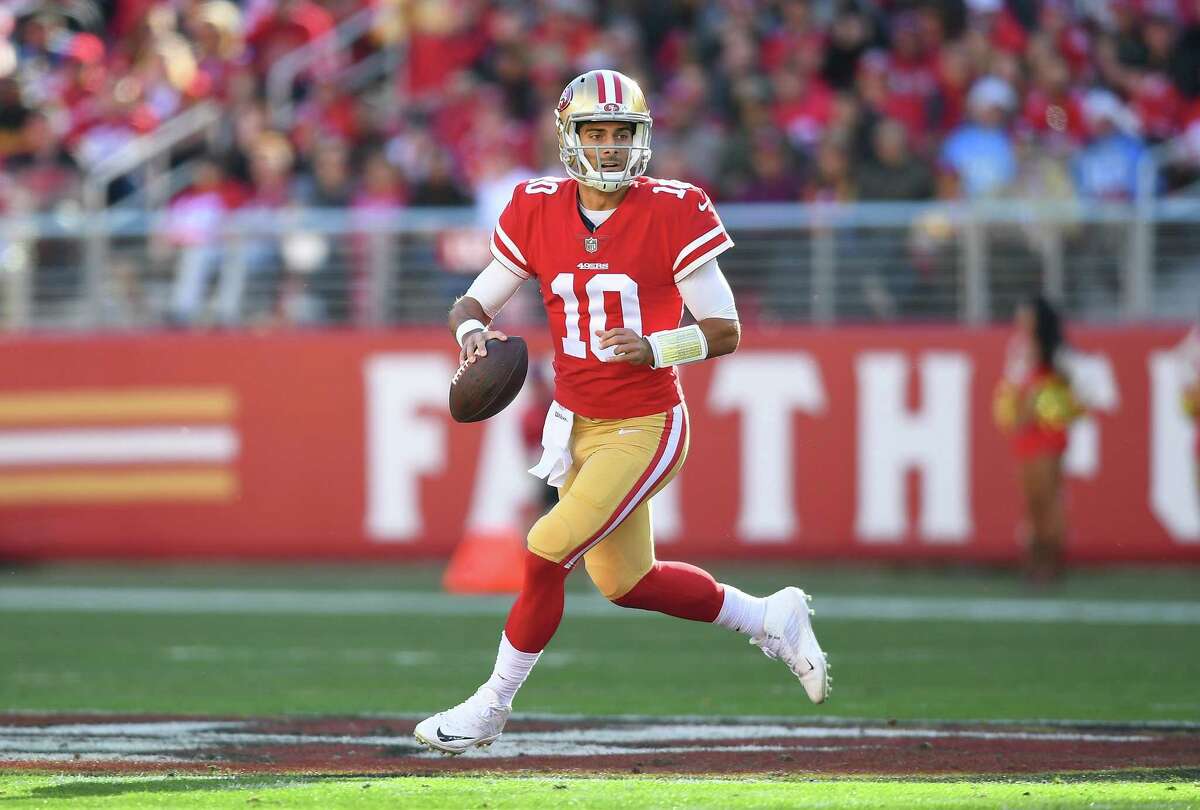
(658, 453)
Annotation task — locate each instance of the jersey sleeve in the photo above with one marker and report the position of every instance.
(509, 237)
(700, 236)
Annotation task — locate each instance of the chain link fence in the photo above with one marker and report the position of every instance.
(867, 262)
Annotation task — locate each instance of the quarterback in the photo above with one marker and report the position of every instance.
(617, 256)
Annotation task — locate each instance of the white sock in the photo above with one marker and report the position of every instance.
(742, 612)
(512, 668)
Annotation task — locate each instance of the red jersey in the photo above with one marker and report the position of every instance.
(622, 274)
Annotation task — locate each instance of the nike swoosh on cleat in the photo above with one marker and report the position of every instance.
(448, 737)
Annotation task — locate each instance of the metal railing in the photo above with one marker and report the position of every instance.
(969, 263)
(150, 152)
(333, 48)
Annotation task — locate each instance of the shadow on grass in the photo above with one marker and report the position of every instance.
(99, 787)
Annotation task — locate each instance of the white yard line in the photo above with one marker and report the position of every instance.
(387, 603)
(141, 740)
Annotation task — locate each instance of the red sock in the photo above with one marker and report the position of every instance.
(539, 607)
(676, 589)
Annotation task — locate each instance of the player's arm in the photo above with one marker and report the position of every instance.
(717, 331)
(470, 316)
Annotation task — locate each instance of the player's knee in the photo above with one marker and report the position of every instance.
(550, 537)
(613, 582)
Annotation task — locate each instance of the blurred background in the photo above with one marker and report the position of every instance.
(360, 152)
(230, 232)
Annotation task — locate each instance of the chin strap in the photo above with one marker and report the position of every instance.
(677, 347)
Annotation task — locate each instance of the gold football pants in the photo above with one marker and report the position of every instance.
(603, 512)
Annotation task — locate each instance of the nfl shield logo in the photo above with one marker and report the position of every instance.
(591, 244)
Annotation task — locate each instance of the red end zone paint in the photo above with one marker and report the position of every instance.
(120, 744)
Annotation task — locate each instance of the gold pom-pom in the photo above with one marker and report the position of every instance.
(1004, 406)
(1055, 404)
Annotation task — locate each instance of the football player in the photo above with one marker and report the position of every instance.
(617, 255)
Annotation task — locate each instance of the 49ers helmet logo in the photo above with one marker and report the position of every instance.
(611, 107)
(565, 98)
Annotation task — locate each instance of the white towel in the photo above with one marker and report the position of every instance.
(556, 446)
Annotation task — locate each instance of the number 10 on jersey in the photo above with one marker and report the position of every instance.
(563, 286)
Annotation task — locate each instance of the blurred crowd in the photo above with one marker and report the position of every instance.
(756, 101)
(785, 100)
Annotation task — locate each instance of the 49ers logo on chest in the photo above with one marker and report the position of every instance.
(591, 244)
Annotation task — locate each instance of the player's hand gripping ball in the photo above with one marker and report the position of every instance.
(492, 372)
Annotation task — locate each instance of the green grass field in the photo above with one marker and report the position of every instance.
(492, 793)
(58, 656)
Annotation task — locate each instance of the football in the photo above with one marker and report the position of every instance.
(482, 389)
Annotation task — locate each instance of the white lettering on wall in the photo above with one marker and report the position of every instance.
(893, 440)
(767, 387)
(502, 485)
(1172, 450)
(1095, 387)
(402, 444)
(665, 517)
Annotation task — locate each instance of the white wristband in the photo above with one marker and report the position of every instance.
(460, 334)
(676, 347)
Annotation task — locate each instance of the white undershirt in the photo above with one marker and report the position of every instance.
(597, 218)
(705, 291)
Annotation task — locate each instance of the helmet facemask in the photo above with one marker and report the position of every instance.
(583, 162)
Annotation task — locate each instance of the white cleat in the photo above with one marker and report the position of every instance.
(788, 635)
(477, 721)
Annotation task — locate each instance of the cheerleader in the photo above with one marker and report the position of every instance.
(1035, 405)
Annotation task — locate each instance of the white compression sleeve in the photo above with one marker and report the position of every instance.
(494, 287)
(707, 294)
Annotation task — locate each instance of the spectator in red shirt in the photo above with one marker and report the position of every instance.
(1144, 75)
(292, 23)
(1067, 37)
(329, 114)
(998, 24)
(912, 77)
(1053, 109)
(954, 82)
(82, 79)
(803, 107)
(110, 121)
(447, 37)
(1156, 103)
(796, 34)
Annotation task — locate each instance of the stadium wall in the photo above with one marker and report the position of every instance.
(848, 443)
